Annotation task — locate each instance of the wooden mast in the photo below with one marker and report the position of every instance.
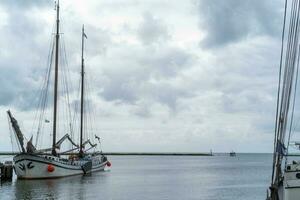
(82, 92)
(55, 79)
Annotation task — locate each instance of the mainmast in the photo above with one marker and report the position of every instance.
(55, 79)
(82, 92)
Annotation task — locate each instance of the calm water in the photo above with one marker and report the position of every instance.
(245, 177)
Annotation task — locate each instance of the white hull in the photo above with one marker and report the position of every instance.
(289, 189)
(29, 166)
(291, 185)
(292, 194)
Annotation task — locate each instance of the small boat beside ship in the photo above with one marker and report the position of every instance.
(33, 163)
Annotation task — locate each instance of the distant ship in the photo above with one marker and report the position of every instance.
(285, 181)
(232, 154)
(32, 163)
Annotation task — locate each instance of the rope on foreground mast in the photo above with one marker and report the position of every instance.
(293, 107)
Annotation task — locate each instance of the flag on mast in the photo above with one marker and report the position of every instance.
(84, 35)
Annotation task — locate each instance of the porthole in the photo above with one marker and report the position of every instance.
(298, 175)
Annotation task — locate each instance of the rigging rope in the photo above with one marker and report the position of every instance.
(42, 103)
(279, 82)
(285, 86)
(67, 87)
(293, 107)
(44, 95)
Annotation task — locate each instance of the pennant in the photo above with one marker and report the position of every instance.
(84, 35)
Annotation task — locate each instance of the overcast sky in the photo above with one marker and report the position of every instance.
(183, 76)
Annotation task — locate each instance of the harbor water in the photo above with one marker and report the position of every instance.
(220, 177)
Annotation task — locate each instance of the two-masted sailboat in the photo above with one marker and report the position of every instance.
(285, 183)
(32, 163)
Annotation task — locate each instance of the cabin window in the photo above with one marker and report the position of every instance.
(298, 175)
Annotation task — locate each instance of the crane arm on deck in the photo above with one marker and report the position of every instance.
(17, 130)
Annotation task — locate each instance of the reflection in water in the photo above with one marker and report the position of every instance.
(74, 187)
(36, 189)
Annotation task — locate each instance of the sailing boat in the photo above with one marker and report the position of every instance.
(33, 164)
(285, 183)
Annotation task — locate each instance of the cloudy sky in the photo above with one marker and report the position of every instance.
(184, 76)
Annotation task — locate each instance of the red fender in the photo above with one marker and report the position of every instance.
(50, 168)
(108, 164)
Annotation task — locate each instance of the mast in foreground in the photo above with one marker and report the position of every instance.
(285, 182)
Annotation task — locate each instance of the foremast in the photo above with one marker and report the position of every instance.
(55, 81)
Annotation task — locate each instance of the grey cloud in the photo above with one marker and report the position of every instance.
(122, 89)
(143, 109)
(152, 30)
(24, 4)
(19, 47)
(97, 43)
(17, 90)
(229, 21)
(167, 61)
(246, 79)
(132, 80)
(169, 95)
(8, 86)
(248, 101)
(25, 45)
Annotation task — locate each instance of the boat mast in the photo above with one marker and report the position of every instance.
(82, 92)
(286, 82)
(55, 79)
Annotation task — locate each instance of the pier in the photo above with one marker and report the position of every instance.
(6, 171)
